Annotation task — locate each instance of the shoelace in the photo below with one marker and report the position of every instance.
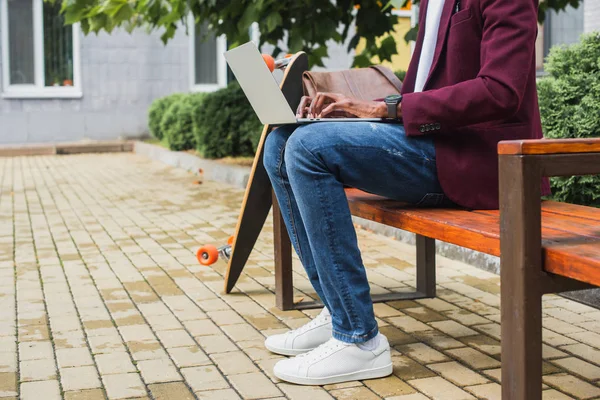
(322, 351)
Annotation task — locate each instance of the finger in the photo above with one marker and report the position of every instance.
(320, 101)
(331, 108)
(303, 106)
(313, 103)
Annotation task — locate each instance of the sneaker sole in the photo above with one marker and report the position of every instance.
(286, 352)
(354, 376)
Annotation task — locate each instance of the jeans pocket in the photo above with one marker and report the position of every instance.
(432, 200)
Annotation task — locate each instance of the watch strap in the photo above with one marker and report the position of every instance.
(392, 109)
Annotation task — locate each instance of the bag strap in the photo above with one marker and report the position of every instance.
(390, 76)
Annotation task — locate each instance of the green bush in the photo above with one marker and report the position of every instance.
(156, 112)
(177, 123)
(570, 108)
(400, 74)
(226, 125)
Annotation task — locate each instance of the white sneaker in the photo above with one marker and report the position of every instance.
(335, 362)
(303, 339)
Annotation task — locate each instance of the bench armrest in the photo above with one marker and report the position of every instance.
(549, 146)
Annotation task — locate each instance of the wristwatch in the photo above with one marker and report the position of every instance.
(392, 105)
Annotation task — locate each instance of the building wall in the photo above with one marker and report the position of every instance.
(121, 75)
(592, 15)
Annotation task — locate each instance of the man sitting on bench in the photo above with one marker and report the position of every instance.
(470, 84)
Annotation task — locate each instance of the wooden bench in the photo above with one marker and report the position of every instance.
(544, 247)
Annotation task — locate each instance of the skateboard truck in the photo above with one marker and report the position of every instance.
(209, 254)
(276, 64)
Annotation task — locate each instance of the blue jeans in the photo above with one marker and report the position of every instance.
(309, 166)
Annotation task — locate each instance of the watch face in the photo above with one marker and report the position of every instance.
(393, 98)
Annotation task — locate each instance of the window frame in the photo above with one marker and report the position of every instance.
(221, 64)
(38, 89)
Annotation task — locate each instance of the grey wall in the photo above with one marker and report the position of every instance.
(121, 75)
(592, 15)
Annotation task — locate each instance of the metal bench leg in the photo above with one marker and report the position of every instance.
(284, 285)
(521, 279)
(426, 266)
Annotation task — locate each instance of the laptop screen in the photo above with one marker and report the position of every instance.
(259, 85)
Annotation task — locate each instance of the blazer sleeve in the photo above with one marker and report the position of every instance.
(507, 50)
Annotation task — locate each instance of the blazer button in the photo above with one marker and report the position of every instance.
(438, 126)
(422, 128)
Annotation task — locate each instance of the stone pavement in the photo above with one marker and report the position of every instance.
(101, 297)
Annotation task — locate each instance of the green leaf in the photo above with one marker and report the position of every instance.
(273, 21)
(411, 35)
(251, 15)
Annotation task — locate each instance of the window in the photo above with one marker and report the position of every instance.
(208, 70)
(40, 55)
(564, 27)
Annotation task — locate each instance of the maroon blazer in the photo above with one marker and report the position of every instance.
(481, 90)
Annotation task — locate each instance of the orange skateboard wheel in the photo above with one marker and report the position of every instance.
(270, 61)
(207, 254)
(288, 55)
(230, 241)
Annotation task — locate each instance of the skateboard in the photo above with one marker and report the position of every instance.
(258, 197)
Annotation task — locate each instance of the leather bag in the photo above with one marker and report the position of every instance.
(371, 83)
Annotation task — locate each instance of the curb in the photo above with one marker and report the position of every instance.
(118, 146)
(211, 170)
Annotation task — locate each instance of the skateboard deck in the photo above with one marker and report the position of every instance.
(258, 197)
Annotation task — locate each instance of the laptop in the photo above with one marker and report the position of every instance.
(263, 92)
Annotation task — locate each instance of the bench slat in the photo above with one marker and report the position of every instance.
(479, 230)
(579, 261)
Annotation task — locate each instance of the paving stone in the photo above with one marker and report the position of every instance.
(172, 390)
(359, 392)
(114, 363)
(234, 362)
(35, 350)
(216, 344)
(122, 386)
(489, 391)
(453, 329)
(76, 357)
(439, 388)
(579, 367)
(414, 396)
(458, 374)
(106, 344)
(422, 353)
(32, 390)
(188, 356)
(160, 370)
(8, 362)
(203, 327)
(474, 358)
(408, 324)
(554, 395)
(204, 378)
(572, 385)
(389, 386)
(223, 394)
(297, 392)
(89, 394)
(79, 378)
(254, 386)
(38, 370)
(175, 338)
(8, 384)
